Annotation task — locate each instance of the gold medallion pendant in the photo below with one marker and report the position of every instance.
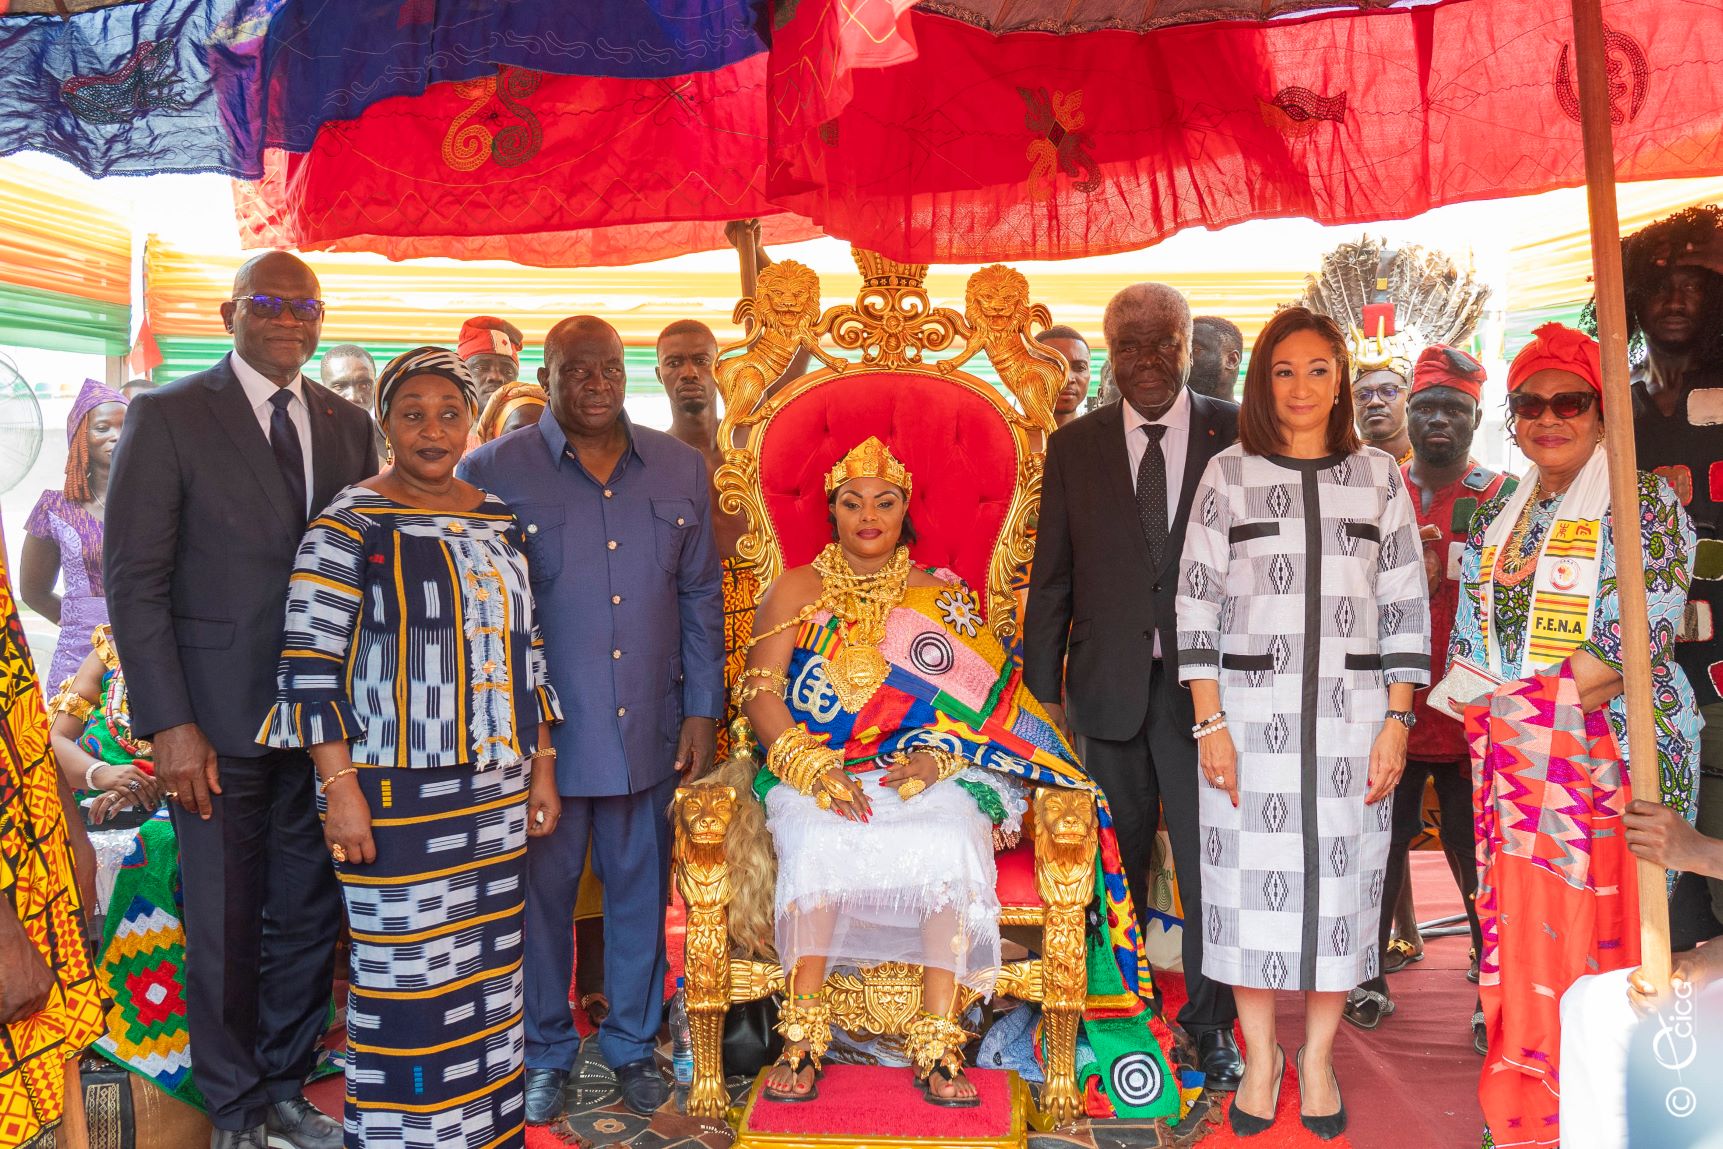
(856, 672)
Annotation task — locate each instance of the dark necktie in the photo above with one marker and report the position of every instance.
(1152, 494)
(290, 457)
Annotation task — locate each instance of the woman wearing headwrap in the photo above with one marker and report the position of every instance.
(1535, 671)
(414, 672)
(64, 533)
(512, 406)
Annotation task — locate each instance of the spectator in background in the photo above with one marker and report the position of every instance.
(348, 370)
(1217, 348)
(512, 406)
(491, 349)
(63, 535)
(1069, 342)
(136, 387)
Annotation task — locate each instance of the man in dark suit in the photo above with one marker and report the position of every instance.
(1100, 636)
(213, 482)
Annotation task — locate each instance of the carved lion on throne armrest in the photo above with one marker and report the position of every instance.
(723, 803)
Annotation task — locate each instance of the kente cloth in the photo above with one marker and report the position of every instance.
(950, 684)
(83, 603)
(1666, 536)
(542, 169)
(1438, 736)
(1557, 896)
(38, 883)
(142, 966)
(741, 595)
(435, 1037)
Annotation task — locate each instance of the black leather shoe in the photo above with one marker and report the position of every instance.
(1219, 1060)
(544, 1095)
(298, 1124)
(238, 1139)
(1249, 1124)
(643, 1087)
(1331, 1125)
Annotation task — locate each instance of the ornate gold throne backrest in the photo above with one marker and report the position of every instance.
(975, 458)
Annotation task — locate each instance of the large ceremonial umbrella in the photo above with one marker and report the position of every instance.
(938, 131)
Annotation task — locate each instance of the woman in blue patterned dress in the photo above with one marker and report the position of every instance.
(414, 672)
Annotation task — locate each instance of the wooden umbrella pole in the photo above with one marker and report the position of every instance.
(1592, 61)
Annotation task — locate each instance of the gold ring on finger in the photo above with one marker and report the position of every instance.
(338, 852)
(911, 788)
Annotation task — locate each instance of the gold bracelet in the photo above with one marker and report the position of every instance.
(800, 759)
(323, 784)
(541, 752)
(69, 701)
(741, 697)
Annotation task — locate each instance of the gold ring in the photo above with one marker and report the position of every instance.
(171, 793)
(338, 852)
(911, 788)
(823, 800)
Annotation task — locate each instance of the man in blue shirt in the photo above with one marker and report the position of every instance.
(624, 571)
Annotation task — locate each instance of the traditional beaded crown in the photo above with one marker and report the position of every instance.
(870, 459)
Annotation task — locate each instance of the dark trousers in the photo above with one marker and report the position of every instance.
(1459, 841)
(262, 913)
(1144, 777)
(630, 836)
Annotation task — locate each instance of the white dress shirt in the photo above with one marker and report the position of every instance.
(1174, 446)
(258, 392)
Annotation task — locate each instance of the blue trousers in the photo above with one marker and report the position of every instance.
(630, 837)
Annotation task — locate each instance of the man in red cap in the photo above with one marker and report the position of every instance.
(491, 348)
(1447, 485)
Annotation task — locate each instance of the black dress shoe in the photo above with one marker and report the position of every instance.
(1249, 1124)
(643, 1087)
(238, 1139)
(544, 1095)
(1218, 1058)
(1331, 1125)
(298, 1124)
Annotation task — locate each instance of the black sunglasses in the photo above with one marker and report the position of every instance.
(269, 307)
(1566, 405)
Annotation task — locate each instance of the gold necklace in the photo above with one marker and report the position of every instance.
(1513, 564)
(862, 602)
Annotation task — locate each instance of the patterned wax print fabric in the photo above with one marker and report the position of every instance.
(435, 1038)
(1302, 591)
(1439, 737)
(950, 684)
(1666, 535)
(741, 595)
(83, 605)
(37, 881)
(411, 635)
(1557, 897)
(142, 966)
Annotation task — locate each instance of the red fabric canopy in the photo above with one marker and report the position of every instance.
(923, 133)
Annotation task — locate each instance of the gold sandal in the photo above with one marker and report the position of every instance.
(935, 1045)
(808, 1024)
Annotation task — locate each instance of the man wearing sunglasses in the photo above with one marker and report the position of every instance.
(1379, 395)
(1447, 486)
(1675, 300)
(214, 480)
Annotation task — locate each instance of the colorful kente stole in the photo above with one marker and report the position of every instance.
(950, 684)
(1557, 896)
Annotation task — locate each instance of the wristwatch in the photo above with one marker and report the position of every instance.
(1404, 717)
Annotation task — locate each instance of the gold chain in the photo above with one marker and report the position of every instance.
(1513, 564)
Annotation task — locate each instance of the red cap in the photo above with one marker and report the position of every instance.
(488, 335)
(1444, 366)
(1561, 348)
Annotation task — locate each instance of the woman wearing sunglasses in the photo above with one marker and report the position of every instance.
(1535, 671)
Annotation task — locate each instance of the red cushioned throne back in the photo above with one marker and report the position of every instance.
(950, 434)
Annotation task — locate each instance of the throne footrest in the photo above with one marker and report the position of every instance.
(878, 1107)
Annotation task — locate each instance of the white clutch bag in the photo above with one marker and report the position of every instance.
(1463, 685)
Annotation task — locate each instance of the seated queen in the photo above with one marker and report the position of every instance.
(899, 743)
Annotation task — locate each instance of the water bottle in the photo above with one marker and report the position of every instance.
(681, 1038)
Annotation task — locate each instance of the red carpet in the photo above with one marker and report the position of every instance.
(861, 1100)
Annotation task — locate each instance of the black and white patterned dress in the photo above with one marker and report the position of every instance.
(1302, 590)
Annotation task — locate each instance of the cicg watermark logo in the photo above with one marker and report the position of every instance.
(1676, 1047)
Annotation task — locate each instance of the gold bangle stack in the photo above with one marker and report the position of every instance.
(773, 682)
(804, 762)
(69, 701)
(948, 764)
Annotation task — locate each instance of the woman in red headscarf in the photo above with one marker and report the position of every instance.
(1535, 671)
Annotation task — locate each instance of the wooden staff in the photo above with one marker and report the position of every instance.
(1592, 63)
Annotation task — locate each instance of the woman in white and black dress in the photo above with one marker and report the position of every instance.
(1304, 626)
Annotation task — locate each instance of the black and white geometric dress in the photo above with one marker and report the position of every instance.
(1302, 590)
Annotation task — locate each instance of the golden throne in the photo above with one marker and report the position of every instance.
(977, 462)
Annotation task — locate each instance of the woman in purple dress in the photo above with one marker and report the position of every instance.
(63, 536)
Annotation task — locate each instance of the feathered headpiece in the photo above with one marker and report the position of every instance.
(1393, 303)
(869, 459)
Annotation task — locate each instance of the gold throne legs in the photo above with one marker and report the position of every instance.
(885, 998)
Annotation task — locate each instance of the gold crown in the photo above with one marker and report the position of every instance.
(1379, 352)
(870, 459)
(878, 271)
